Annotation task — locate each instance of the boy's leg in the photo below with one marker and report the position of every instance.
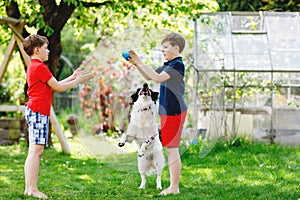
(171, 134)
(38, 126)
(31, 170)
(174, 163)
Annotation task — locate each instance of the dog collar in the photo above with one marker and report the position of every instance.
(144, 109)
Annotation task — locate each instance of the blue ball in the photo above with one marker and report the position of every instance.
(125, 54)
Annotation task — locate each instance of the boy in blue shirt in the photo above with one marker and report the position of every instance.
(172, 108)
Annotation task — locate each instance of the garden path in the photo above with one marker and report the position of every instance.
(100, 147)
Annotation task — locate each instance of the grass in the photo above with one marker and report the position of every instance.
(229, 171)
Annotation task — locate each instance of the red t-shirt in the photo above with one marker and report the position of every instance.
(39, 92)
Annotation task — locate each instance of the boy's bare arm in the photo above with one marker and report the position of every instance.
(72, 77)
(63, 86)
(158, 78)
(143, 74)
(147, 71)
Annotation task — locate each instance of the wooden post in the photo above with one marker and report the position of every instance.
(19, 39)
(59, 132)
(7, 57)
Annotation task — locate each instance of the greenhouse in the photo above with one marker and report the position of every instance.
(247, 75)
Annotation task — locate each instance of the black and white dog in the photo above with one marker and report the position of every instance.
(143, 129)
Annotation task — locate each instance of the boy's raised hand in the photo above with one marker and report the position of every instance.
(76, 73)
(82, 76)
(135, 59)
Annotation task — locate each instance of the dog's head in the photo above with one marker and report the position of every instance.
(144, 92)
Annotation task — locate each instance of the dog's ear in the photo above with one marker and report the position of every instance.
(154, 95)
(135, 96)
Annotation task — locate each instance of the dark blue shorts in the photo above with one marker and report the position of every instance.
(38, 126)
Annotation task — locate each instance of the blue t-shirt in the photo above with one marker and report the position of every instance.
(172, 90)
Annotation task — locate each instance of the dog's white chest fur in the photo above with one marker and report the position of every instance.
(143, 115)
(143, 125)
(143, 129)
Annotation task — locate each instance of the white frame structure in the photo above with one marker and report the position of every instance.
(247, 42)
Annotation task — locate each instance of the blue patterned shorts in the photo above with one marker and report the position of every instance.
(38, 126)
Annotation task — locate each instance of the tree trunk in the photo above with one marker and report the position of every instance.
(55, 51)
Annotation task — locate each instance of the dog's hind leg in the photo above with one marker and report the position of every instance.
(143, 166)
(143, 182)
(158, 181)
(159, 163)
(158, 178)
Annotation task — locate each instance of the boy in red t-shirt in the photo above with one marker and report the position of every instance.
(41, 83)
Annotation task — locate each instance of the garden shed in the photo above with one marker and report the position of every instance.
(247, 77)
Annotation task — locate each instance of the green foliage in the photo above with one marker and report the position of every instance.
(4, 94)
(248, 171)
(90, 22)
(77, 47)
(12, 85)
(239, 87)
(154, 14)
(108, 17)
(63, 116)
(259, 5)
(237, 141)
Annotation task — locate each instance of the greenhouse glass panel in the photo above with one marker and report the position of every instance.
(248, 67)
(251, 52)
(283, 33)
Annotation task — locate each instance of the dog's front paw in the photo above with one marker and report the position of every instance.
(121, 144)
(141, 154)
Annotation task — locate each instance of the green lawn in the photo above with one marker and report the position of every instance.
(245, 171)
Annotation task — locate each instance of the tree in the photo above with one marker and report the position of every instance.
(105, 17)
(259, 5)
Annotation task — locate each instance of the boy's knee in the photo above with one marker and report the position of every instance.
(37, 150)
(171, 150)
(40, 153)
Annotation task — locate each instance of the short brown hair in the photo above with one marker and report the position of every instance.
(33, 41)
(175, 39)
